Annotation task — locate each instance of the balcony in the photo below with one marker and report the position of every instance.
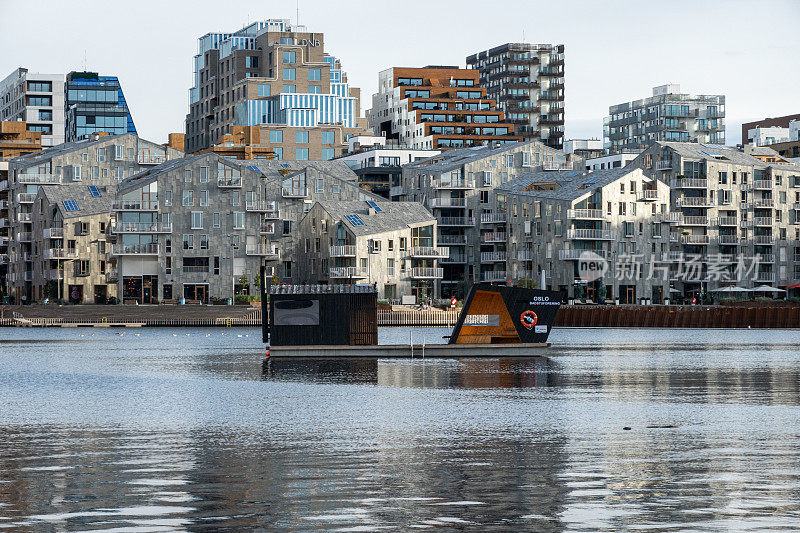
(585, 214)
(694, 221)
(142, 227)
(135, 206)
(762, 221)
(25, 218)
(3, 185)
(24, 236)
(54, 274)
(4, 223)
(647, 195)
(689, 183)
(262, 250)
(574, 255)
(766, 258)
(429, 252)
(112, 274)
(452, 240)
(453, 183)
(135, 249)
(695, 239)
(426, 273)
(454, 259)
(345, 250)
(764, 240)
(230, 182)
(767, 277)
(590, 234)
(493, 257)
(348, 272)
(728, 240)
(53, 233)
(664, 164)
(60, 253)
(762, 185)
(455, 221)
(145, 158)
(525, 255)
(39, 179)
(726, 221)
(673, 217)
(495, 275)
(3, 259)
(763, 203)
(447, 202)
(493, 218)
(674, 236)
(295, 192)
(556, 165)
(270, 209)
(396, 190)
(267, 228)
(493, 236)
(694, 201)
(26, 197)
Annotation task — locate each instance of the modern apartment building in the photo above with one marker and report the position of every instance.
(750, 129)
(380, 168)
(278, 77)
(668, 115)
(36, 99)
(69, 244)
(16, 140)
(527, 81)
(727, 203)
(458, 187)
(95, 103)
(437, 107)
(391, 244)
(559, 221)
(101, 160)
(585, 148)
(200, 227)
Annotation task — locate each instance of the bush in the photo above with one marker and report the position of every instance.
(247, 298)
(764, 299)
(793, 299)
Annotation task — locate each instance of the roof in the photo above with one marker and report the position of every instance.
(63, 148)
(572, 184)
(732, 154)
(86, 203)
(394, 216)
(456, 158)
(153, 173)
(274, 167)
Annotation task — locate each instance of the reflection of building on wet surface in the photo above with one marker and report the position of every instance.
(432, 373)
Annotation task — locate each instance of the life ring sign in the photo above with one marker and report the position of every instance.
(528, 319)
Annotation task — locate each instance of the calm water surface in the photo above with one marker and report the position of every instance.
(159, 430)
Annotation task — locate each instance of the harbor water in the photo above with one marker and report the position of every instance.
(617, 429)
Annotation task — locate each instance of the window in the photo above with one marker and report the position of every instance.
(251, 62)
(264, 89)
(119, 152)
(301, 137)
(40, 86)
(45, 114)
(187, 176)
(203, 174)
(238, 220)
(197, 220)
(487, 178)
(188, 199)
(289, 57)
(328, 137)
(44, 101)
(216, 265)
(203, 198)
(204, 242)
(276, 136)
(390, 266)
(216, 220)
(314, 74)
(95, 173)
(287, 227)
(235, 199)
(315, 89)
(278, 153)
(290, 88)
(289, 74)
(168, 245)
(101, 155)
(167, 198)
(319, 185)
(188, 241)
(76, 173)
(327, 153)
(301, 154)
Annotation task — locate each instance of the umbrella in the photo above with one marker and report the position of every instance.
(672, 289)
(731, 289)
(795, 286)
(766, 288)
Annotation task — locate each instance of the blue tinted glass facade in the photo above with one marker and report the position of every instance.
(95, 103)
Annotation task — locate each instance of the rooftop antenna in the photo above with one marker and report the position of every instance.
(297, 17)
(85, 67)
(523, 35)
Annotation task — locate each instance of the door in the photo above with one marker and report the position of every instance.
(201, 293)
(630, 294)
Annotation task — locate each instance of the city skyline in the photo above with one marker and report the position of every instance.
(638, 50)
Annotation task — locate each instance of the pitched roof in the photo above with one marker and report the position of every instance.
(153, 173)
(86, 203)
(273, 167)
(731, 154)
(394, 215)
(453, 159)
(63, 148)
(571, 184)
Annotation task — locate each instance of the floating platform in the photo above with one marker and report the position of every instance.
(407, 351)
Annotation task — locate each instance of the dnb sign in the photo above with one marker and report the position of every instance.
(591, 266)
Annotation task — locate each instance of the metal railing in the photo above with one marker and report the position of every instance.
(454, 183)
(694, 221)
(26, 197)
(695, 239)
(299, 192)
(426, 272)
(494, 236)
(447, 202)
(150, 159)
(664, 164)
(493, 218)
(430, 252)
(60, 253)
(694, 201)
(495, 275)
(344, 250)
(261, 250)
(647, 194)
(348, 272)
(396, 190)
(142, 227)
(229, 182)
(728, 240)
(585, 213)
(726, 221)
(451, 239)
(763, 239)
(270, 209)
(135, 249)
(590, 234)
(492, 257)
(525, 255)
(135, 206)
(39, 179)
(455, 221)
(689, 183)
(556, 165)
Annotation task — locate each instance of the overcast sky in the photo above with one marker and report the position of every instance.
(615, 51)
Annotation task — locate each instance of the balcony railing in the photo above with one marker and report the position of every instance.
(295, 192)
(765, 277)
(39, 179)
(24, 236)
(494, 237)
(447, 202)
(689, 183)
(495, 275)
(135, 206)
(135, 249)
(525, 255)
(267, 228)
(454, 183)
(263, 250)
(60, 253)
(574, 255)
(764, 239)
(556, 165)
(695, 239)
(55, 274)
(758, 204)
(53, 233)
(493, 218)
(647, 195)
(694, 201)
(150, 159)
(344, 250)
(229, 182)
(455, 221)
(430, 252)
(694, 221)
(348, 272)
(673, 217)
(26, 197)
(493, 257)
(762, 221)
(726, 221)
(426, 273)
(270, 209)
(112, 274)
(766, 258)
(728, 240)
(591, 214)
(142, 227)
(451, 239)
(764, 185)
(590, 234)
(664, 164)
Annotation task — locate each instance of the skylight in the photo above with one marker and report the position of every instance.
(374, 206)
(71, 205)
(355, 220)
(93, 190)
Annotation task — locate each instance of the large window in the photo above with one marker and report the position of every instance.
(45, 114)
(187, 198)
(278, 152)
(264, 89)
(314, 74)
(315, 89)
(40, 86)
(301, 137)
(276, 136)
(328, 137)
(290, 88)
(327, 153)
(197, 220)
(238, 220)
(46, 129)
(289, 74)
(289, 57)
(301, 154)
(45, 101)
(251, 62)
(409, 81)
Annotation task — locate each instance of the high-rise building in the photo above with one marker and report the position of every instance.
(527, 80)
(36, 99)
(437, 107)
(16, 140)
(95, 103)
(758, 131)
(276, 76)
(668, 115)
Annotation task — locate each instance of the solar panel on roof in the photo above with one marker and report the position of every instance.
(253, 167)
(355, 220)
(590, 182)
(374, 206)
(93, 190)
(71, 205)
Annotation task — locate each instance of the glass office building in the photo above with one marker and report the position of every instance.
(95, 103)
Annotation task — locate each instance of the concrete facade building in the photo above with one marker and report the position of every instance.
(458, 187)
(585, 148)
(527, 81)
(556, 219)
(379, 169)
(102, 160)
(200, 227)
(437, 107)
(765, 136)
(668, 115)
(276, 76)
(36, 99)
(729, 202)
(610, 161)
(391, 244)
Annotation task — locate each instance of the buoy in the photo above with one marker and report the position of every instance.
(626, 428)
